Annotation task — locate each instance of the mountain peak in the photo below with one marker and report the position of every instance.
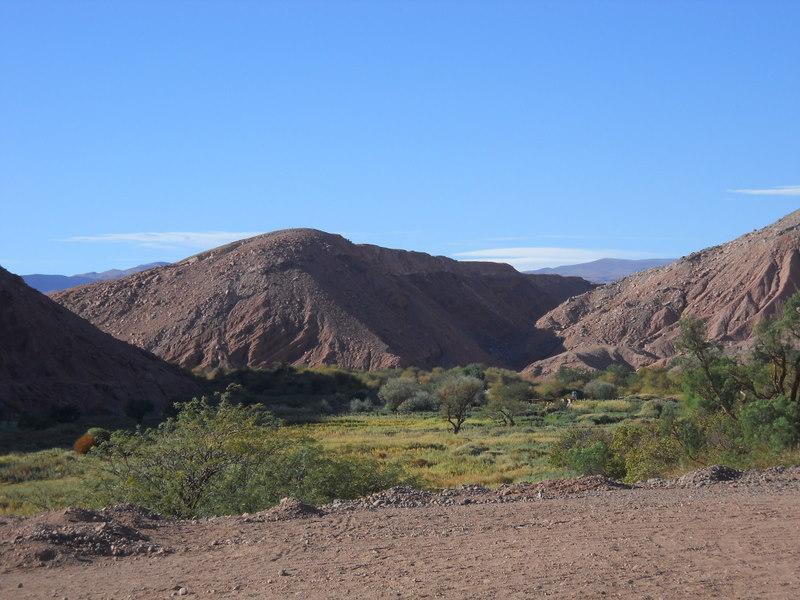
(310, 297)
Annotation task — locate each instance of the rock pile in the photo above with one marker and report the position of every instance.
(708, 475)
(287, 508)
(77, 533)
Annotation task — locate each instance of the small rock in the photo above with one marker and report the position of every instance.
(183, 591)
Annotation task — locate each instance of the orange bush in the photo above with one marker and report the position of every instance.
(84, 443)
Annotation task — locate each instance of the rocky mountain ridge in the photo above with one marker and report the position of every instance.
(635, 321)
(308, 297)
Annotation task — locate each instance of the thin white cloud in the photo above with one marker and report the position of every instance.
(526, 258)
(199, 240)
(782, 190)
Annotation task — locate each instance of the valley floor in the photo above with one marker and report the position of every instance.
(716, 540)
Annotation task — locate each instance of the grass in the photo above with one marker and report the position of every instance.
(41, 480)
(483, 453)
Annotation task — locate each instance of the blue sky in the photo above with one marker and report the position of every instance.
(542, 132)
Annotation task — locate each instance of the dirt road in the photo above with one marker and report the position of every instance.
(716, 541)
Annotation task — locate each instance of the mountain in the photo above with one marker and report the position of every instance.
(49, 357)
(605, 270)
(118, 273)
(308, 297)
(635, 321)
(54, 283)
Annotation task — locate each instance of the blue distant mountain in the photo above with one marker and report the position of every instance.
(54, 283)
(606, 270)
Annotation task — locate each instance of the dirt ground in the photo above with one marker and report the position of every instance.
(721, 540)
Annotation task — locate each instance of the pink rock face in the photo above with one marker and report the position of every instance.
(303, 296)
(732, 287)
(50, 356)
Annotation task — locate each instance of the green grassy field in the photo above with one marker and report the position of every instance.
(484, 452)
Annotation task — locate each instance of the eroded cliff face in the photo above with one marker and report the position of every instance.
(303, 296)
(49, 357)
(635, 321)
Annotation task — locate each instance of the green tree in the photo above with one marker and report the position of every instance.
(504, 402)
(709, 376)
(397, 390)
(778, 350)
(457, 395)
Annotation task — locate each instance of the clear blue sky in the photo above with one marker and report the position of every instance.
(584, 128)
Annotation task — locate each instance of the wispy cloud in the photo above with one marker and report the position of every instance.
(537, 257)
(198, 240)
(782, 190)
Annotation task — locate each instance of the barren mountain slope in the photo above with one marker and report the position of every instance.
(635, 320)
(49, 356)
(307, 297)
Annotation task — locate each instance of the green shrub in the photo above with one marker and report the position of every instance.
(396, 391)
(422, 401)
(224, 459)
(653, 408)
(587, 452)
(644, 450)
(770, 423)
(100, 434)
(360, 405)
(600, 390)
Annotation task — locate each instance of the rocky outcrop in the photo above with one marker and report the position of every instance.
(635, 321)
(303, 296)
(50, 357)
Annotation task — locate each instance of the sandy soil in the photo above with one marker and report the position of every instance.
(716, 541)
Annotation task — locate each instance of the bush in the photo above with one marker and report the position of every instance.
(653, 409)
(551, 390)
(600, 390)
(770, 423)
(93, 437)
(360, 405)
(213, 460)
(396, 391)
(84, 443)
(422, 401)
(644, 450)
(587, 452)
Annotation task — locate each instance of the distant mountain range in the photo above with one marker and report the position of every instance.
(54, 283)
(605, 270)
